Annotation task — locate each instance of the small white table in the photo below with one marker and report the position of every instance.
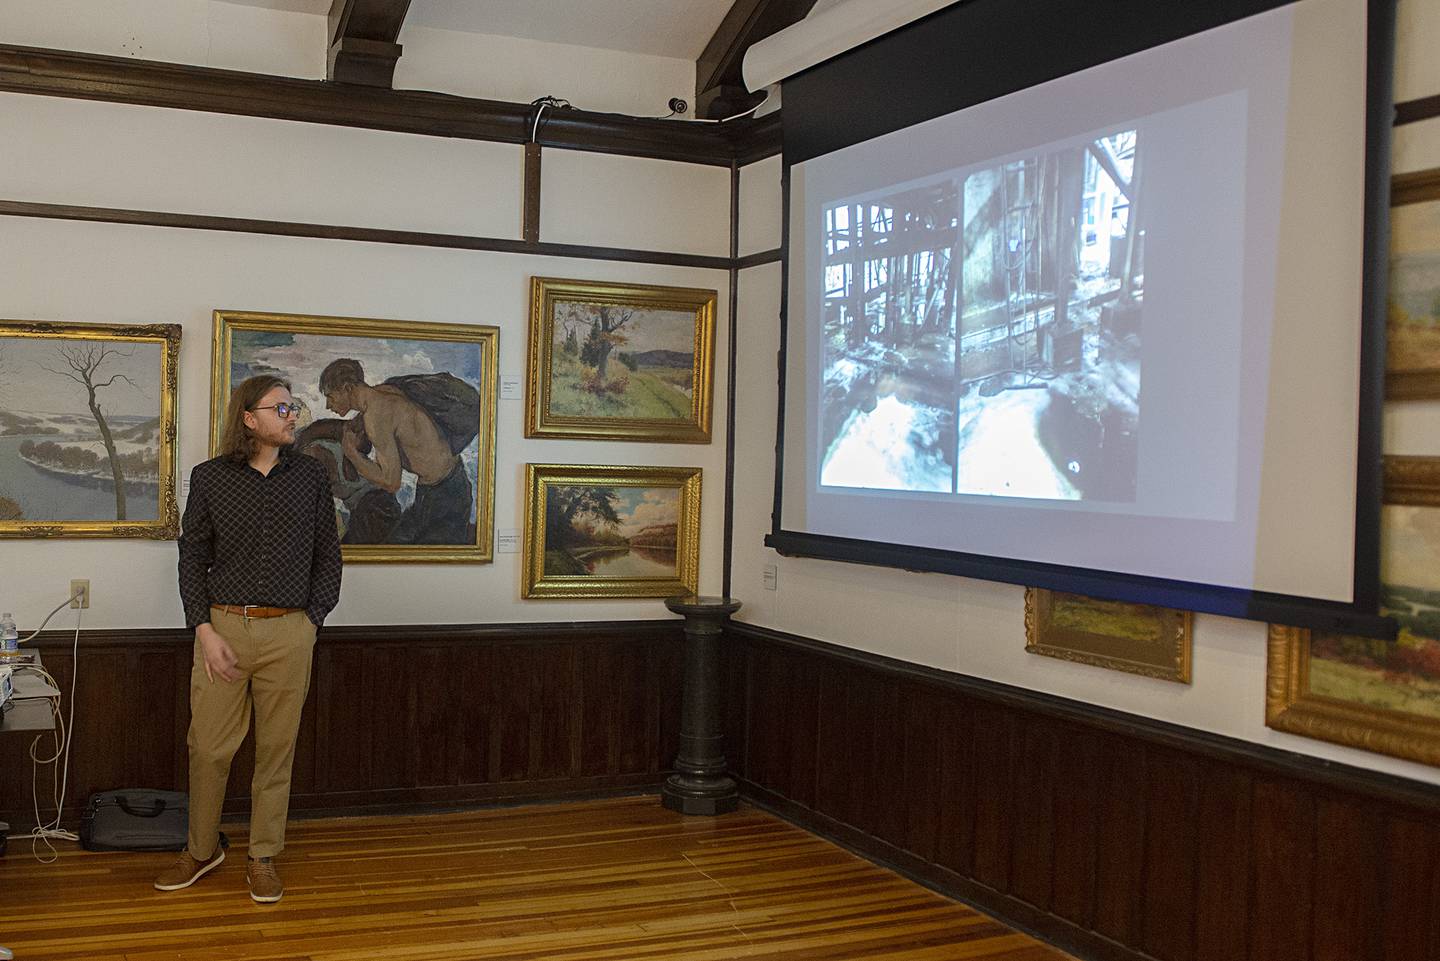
(26, 714)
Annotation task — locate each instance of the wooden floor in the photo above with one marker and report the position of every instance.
(621, 880)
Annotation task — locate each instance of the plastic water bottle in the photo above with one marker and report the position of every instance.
(9, 637)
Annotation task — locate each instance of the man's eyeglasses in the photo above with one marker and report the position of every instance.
(283, 409)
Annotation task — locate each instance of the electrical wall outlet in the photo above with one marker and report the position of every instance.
(83, 589)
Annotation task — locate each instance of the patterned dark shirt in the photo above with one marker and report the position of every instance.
(248, 538)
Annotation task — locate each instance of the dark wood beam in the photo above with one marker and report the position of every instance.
(369, 235)
(719, 89)
(530, 219)
(1412, 111)
(86, 76)
(362, 41)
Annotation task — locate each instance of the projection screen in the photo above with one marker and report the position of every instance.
(1109, 329)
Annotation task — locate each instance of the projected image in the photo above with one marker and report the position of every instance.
(982, 331)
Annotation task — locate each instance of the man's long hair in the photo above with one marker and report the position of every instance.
(237, 441)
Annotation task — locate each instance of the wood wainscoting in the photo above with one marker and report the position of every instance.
(397, 717)
(1110, 835)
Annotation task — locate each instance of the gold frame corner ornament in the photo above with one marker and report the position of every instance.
(1173, 663)
(166, 526)
(225, 322)
(535, 583)
(541, 422)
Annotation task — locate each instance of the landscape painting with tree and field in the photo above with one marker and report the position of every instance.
(82, 429)
(618, 361)
(982, 328)
(612, 360)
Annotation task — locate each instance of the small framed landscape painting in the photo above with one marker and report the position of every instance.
(1412, 366)
(1381, 696)
(87, 430)
(1135, 638)
(400, 413)
(611, 531)
(619, 361)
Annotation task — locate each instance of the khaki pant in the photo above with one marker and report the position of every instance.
(274, 665)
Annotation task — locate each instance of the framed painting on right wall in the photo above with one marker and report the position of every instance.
(1381, 696)
(1412, 365)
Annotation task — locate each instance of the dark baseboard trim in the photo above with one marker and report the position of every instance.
(374, 235)
(403, 800)
(409, 801)
(88, 76)
(646, 789)
(540, 632)
(1421, 797)
(1011, 911)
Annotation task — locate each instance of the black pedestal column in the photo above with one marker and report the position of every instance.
(699, 784)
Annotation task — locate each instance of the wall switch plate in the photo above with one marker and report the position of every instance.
(770, 577)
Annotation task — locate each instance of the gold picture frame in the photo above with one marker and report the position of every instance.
(582, 384)
(446, 370)
(610, 531)
(1135, 638)
(1381, 696)
(1412, 368)
(87, 430)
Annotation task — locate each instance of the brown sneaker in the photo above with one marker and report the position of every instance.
(186, 870)
(265, 885)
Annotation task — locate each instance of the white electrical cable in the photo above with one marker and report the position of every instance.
(737, 116)
(47, 832)
(72, 597)
(540, 103)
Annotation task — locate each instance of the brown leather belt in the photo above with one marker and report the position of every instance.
(249, 610)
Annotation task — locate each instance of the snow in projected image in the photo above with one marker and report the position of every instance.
(982, 329)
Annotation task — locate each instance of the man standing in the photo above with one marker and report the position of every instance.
(406, 436)
(259, 571)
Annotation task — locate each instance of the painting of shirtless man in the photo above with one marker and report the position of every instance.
(402, 415)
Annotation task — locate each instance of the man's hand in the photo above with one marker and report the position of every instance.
(219, 658)
(350, 444)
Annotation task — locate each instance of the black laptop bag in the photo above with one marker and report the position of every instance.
(136, 819)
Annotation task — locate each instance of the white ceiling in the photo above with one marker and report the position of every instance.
(664, 28)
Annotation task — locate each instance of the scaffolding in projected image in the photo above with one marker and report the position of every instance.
(903, 249)
(992, 280)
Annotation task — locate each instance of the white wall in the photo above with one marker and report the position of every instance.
(208, 33)
(508, 68)
(125, 156)
(976, 627)
(236, 36)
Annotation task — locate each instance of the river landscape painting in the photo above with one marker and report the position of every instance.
(611, 531)
(87, 429)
